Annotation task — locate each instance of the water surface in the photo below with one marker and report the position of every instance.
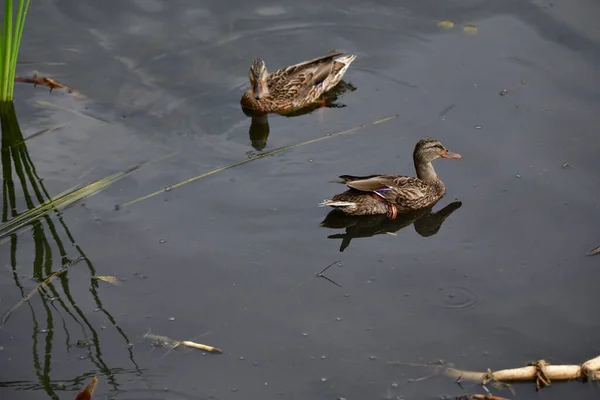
(230, 259)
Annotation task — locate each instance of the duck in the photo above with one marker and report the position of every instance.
(294, 87)
(394, 194)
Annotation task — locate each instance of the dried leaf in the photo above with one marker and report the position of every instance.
(110, 279)
(445, 24)
(88, 391)
(470, 29)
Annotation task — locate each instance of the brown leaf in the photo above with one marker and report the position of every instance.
(88, 391)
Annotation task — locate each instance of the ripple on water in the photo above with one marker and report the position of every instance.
(455, 298)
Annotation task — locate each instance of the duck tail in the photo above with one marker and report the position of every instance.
(334, 203)
(346, 60)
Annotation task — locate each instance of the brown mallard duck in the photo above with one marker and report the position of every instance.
(393, 194)
(294, 87)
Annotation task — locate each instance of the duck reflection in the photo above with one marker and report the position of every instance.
(259, 125)
(426, 223)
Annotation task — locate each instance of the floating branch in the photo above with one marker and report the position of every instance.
(480, 397)
(541, 372)
(48, 82)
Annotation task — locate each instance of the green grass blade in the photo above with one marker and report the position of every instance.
(7, 50)
(60, 202)
(18, 34)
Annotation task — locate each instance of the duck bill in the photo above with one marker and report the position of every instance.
(259, 89)
(449, 154)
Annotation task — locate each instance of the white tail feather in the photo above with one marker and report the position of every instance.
(333, 80)
(332, 203)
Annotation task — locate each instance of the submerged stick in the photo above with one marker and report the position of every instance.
(258, 156)
(87, 392)
(480, 397)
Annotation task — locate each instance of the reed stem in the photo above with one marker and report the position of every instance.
(9, 45)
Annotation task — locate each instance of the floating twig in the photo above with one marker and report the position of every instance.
(480, 397)
(47, 82)
(594, 251)
(87, 392)
(319, 275)
(504, 92)
(165, 341)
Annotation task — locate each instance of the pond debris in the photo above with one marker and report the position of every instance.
(470, 29)
(540, 371)
(47, 82)
(167, 342)
(113, 280)
(445, 24)
(504, 92)
(87, 392)
(479, 397)
(320, 275)
(594, 251)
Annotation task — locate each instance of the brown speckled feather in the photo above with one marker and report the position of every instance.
(393, 194)
(299, 85)
(407, 193)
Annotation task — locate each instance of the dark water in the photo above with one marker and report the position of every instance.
(504, 280)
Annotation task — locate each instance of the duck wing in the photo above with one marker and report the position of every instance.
(305, 81)
(392, 188)
(349, 178)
